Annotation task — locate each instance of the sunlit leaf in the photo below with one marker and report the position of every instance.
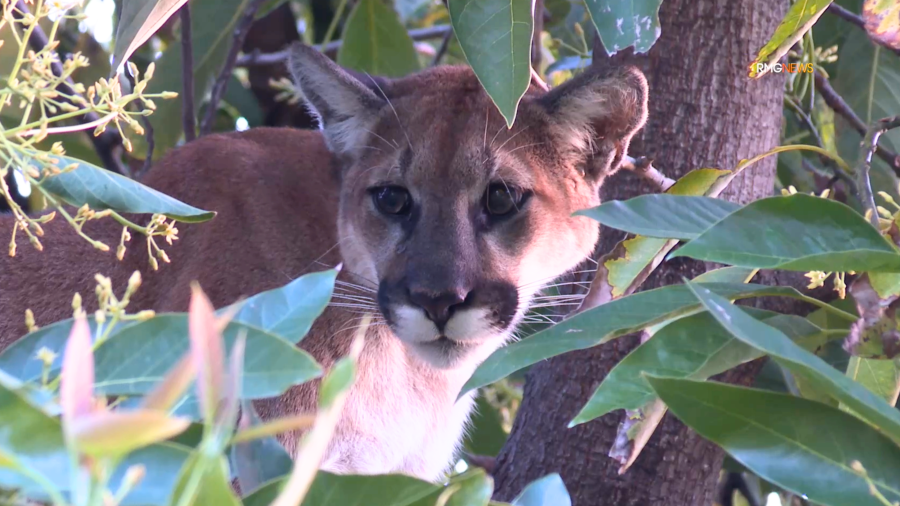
(138, 21)
(802, 15)
(117, 433)
(211, 34)
(76, 390)
(882, 18)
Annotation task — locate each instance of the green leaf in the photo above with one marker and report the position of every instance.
(20, 360)
(624, 23)
(798, 20)
(376, 42)
(878, 69)
(631, 257)
(879, 376)
(486, 435)
(211, 34)
(662, 215)
(800, 445)
(696, 347)
(136, 358)
(495, 36)
(798, 232)
(470, 489)
(211, 484)
(102, 189)
(139, 20)
(339, 378)
(547, 491)
(606, 322)
(289, 311)
(36, 440)
(33, 438)
(885, 284)
(348, 490)
(801, 363)
(261, 460)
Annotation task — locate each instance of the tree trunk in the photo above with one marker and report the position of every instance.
(704, 112)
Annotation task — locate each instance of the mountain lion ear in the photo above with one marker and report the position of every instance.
(345, 107)
(597, 113)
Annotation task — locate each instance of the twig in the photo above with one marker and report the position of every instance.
(148, 136)
(837, 172)
(221, 84)
(442, 49)
(855, 19)
(837, 103)
(105, 143)
(537, 81)
(846, 15)
(257, 59)
(71, 128)
(187, 75)
(867, 147)
(643, 167)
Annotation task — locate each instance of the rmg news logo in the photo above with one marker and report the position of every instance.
(778, 68)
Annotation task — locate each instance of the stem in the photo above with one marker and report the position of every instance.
(218, 90)
(794, 147)
(329, 33)
(840, 106)
(187, 75)
(867, 148)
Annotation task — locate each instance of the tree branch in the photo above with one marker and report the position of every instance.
(106, 143)
(187, 75)
(866, 149)
(840, 106)
(256, 59)
(643, 166)
(221, 84)
(442, 49)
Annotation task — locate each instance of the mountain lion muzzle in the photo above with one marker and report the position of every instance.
(447, 223)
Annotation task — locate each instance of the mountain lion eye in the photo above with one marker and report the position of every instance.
(502, 199)
(392, 200)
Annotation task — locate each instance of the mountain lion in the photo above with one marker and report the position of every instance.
(446, 222)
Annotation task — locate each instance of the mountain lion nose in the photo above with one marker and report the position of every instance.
(439, 308)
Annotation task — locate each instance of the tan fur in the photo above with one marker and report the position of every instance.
(290, 202)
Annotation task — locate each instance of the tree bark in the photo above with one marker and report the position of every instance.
(704, 112)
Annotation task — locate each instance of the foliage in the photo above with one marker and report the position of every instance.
(160, 441)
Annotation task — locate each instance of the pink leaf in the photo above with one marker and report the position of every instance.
(206, 352)
(76, 389)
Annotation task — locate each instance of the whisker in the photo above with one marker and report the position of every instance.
(513, 150)
(397, 116)
(513, 136)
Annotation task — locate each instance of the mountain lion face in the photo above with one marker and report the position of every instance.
(456, 220)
